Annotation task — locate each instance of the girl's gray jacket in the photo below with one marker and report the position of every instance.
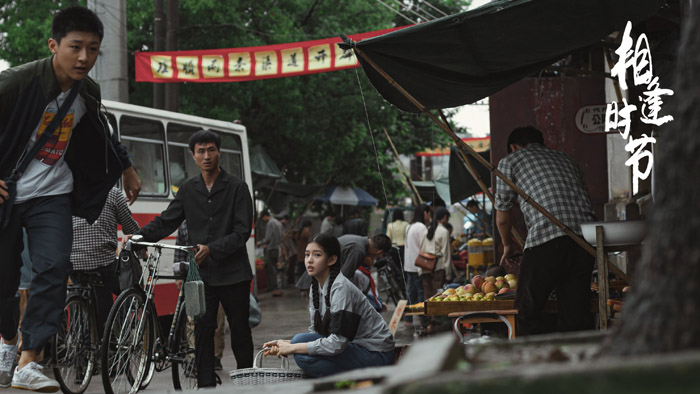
(353, 319)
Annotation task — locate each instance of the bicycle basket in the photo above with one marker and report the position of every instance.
(259, 375)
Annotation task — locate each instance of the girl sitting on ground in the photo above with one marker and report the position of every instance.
(350, 334)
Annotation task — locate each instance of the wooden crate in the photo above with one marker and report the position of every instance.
(444, 308)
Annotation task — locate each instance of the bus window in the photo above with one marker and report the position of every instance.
(144, 140)
(231, 158)
(182, 166)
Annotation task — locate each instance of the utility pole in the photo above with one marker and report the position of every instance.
(111, 70)
(159, 25)
(173, 21)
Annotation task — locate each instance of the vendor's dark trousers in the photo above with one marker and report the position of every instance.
(271, 258)
(236, 301)
(50, 234)
(561, 265)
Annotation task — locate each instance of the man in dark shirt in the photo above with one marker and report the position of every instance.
(219, 213)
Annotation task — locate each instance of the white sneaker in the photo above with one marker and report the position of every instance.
(31, 378)
(8, 362)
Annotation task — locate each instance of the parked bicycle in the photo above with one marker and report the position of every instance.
(391, 281)
(134, 344)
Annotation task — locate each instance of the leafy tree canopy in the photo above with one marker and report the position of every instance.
(315, 126)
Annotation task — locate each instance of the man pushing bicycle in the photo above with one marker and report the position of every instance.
(219, 213)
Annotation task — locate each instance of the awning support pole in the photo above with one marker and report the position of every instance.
(407, 175)
(587, 247)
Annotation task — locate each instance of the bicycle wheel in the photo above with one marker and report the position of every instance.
(127, 343)
(148, 376)
(152, 367)
(75, 346)
(182, 354)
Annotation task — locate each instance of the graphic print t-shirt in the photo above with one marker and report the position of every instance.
(48, 174)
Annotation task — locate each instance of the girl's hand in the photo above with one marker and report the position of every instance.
(285, 348)
(275, 348)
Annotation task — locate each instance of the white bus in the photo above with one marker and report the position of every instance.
(157, 143)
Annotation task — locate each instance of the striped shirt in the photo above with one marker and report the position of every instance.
(552, 179)
(95, 245)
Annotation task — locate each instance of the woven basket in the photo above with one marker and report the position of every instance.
(259, 375)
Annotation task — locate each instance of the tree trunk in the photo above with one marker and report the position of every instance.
(662, 312)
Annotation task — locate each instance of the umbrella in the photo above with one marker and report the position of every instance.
(341, 195)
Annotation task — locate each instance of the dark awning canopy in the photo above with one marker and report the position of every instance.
(462, 58)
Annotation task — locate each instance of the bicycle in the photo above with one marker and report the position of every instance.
(74, 347)
(390, 278)
(134, 346)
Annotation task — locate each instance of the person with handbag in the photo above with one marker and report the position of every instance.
(415, 233)
(437, 243)
(219, 211)
(58, 159)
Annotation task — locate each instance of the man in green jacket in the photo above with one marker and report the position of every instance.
(70, 175)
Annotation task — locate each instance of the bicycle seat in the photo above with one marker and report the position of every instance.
(85, 278)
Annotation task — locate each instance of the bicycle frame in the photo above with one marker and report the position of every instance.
(148, 280)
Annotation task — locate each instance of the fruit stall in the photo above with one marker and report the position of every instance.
(495, 295)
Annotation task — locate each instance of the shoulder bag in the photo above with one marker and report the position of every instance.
(11, 181)
(424, 260)
(129, 270)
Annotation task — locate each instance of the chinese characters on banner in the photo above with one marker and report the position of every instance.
(250, 63)
(618, 115)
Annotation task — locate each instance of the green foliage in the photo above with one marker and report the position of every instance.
(26, 28)
(315, 126)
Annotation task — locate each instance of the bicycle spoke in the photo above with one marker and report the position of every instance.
(73, 347)
(126, 344)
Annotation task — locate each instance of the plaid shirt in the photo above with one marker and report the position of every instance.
(181, 239)
(555, 181)
(95, 245)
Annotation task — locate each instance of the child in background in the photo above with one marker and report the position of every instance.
(347, 335)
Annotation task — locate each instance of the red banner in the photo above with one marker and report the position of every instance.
(249, 63)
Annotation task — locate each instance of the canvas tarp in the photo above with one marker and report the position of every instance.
(462, 58)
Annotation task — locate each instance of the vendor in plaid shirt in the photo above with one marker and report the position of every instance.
(95, 246)
(551, 260)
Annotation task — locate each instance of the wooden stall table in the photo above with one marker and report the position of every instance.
(505, 308)
(444, 308)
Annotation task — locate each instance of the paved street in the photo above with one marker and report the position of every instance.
(282, 317)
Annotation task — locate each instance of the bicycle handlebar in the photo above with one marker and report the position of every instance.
(136, 242)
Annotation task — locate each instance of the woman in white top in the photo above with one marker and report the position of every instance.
(437, 242)
(415, 233)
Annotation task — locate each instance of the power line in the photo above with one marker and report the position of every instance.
(396, 11)
(409, 9)
(433, 7)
